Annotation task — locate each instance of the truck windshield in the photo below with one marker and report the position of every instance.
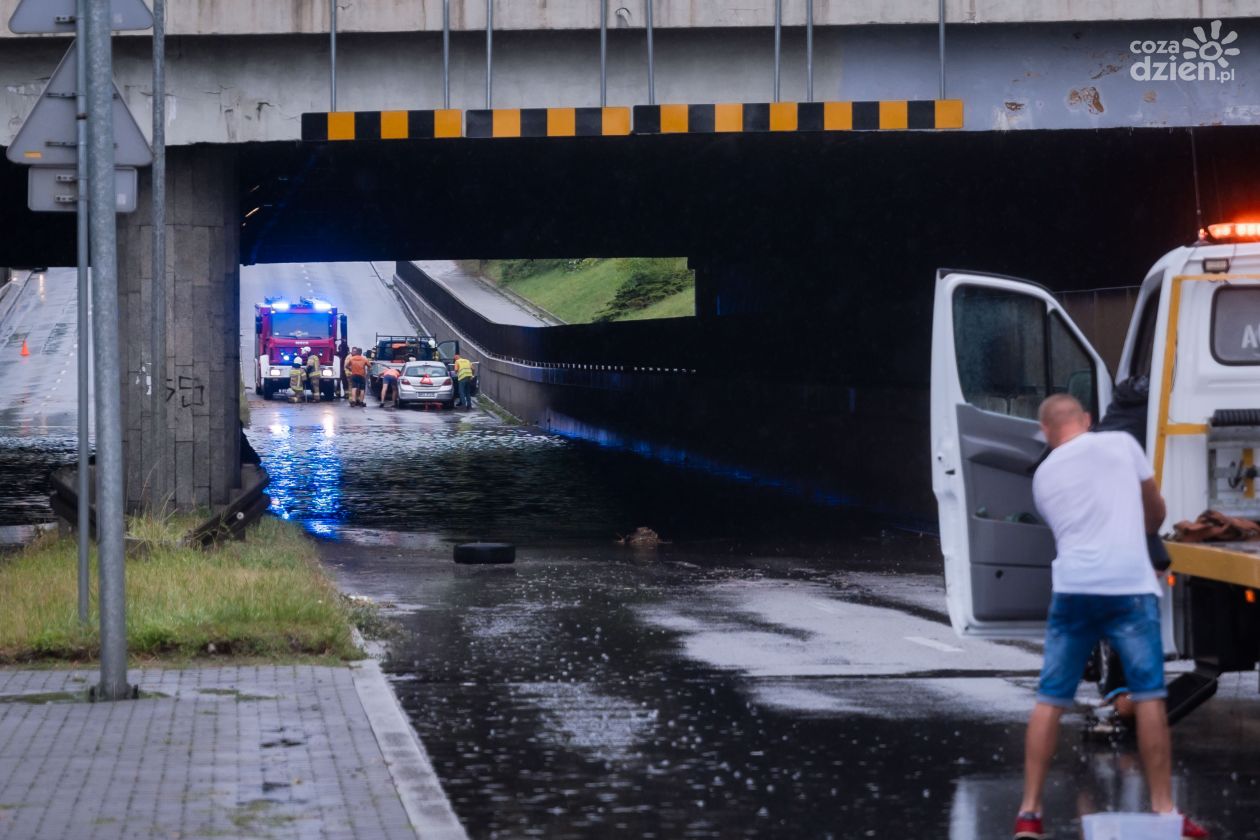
(301, 325)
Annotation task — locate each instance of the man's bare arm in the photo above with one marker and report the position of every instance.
(1152, 506)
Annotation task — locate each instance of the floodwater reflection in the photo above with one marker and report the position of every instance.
(465, 479)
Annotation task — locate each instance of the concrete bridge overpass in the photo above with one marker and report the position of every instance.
(245, 72)
(795, 232)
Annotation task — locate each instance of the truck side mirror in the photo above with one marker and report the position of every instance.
(345, 332)
(257, 325)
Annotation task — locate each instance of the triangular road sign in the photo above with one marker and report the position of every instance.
(49, 135)
(37, 16)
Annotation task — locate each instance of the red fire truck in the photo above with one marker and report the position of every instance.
(282, 329)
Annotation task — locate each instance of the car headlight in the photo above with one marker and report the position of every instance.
(327, 371)
(275, 372)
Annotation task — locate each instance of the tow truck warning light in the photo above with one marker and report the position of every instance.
(1232, 232)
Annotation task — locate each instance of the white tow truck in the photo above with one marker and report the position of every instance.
(1000, 345)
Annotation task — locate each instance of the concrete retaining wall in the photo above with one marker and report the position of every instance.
(824, 442)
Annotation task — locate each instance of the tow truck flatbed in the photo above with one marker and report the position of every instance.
(1228, 562)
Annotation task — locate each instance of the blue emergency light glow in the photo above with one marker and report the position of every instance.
(321, 305)
(280, 305)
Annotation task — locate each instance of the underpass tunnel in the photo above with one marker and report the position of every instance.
(814, 254)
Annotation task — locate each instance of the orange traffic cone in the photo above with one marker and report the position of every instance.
(26, 351)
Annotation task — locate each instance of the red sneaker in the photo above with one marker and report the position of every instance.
(1028, 827)
(1191, 830)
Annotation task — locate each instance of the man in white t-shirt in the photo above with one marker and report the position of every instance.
(1097, 493)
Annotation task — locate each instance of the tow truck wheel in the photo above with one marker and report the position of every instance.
(267, 390)
(257, 387)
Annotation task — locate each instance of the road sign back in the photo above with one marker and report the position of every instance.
(49, 135)
(55, 189)
(37, 16)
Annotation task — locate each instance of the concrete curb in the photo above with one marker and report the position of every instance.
(418, 786)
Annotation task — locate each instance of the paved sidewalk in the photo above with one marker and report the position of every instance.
(292, 751)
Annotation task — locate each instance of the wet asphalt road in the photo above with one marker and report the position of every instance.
(776, 670)
(38, 415)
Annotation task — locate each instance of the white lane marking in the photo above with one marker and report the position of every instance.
(933, 644)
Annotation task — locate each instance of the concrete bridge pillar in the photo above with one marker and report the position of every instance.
(198, 463)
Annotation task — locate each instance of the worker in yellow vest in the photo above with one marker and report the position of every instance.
(297, 380)
(313, 371)
(464, 376)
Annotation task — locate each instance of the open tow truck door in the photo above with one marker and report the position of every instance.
(999, 347)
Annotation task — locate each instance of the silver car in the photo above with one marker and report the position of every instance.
(426, 382)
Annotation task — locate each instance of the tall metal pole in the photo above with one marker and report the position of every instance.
(332, 55)
(809, 51)
(158, 485)
(110, 521)
(940, 31)
(446, 53)
(651, 58)
(489, 54)
(778, 44)
(85, 326)
(603, 53)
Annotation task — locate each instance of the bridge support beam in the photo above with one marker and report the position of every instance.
(198, 463)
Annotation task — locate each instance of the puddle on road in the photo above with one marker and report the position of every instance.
(25, 464)
(424, 480)
(554, 703)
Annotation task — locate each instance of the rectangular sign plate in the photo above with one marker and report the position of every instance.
(54, 189)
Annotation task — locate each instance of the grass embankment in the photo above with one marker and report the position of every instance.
(583, 291)
(263, 598)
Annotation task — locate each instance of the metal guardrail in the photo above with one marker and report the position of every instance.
(248, 504)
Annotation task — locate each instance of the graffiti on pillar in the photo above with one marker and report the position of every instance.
(190, 390)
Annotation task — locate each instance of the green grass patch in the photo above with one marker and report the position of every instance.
(581, 291)
(678, 305)
(265, 598)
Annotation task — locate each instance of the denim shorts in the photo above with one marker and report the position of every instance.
(1129, 623)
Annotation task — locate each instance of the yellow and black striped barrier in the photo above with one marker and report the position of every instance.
(885, 115)
(549, 122)
(798, 116)
(383, 125)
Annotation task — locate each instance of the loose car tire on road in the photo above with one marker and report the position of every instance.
(484, 553)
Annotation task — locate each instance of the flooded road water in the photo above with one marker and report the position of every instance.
(38, 415)
(774, 669)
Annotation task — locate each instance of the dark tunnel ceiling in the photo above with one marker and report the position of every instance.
(1057, 205)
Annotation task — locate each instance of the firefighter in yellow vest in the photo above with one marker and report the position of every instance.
(297, 374)
(464, 376)
(312, 372)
